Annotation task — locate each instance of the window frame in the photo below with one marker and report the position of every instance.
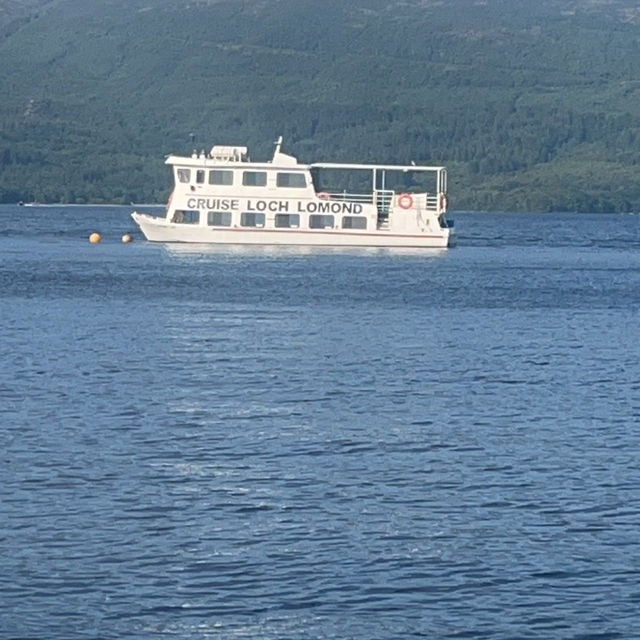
(184, 175)
(256, 216)
(289, 174)
(362, 219)
(247, 173)
(280, 217)
(189, 216)
(314, 218)
(224, 173)
(223, 215)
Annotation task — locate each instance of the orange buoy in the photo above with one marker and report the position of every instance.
(127, 238)
(95, 237)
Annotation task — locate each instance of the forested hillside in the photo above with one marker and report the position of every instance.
(533, 105)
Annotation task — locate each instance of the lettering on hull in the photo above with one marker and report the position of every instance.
(214, 204)
(275, 206)
(352, 208)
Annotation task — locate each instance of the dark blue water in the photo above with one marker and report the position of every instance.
(223, 443)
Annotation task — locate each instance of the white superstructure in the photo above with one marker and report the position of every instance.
(222, 197)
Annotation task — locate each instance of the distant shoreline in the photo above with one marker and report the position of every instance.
(87, 204)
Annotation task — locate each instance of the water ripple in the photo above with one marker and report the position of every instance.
(203, 444)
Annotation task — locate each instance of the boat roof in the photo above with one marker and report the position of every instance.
(207, 161)
(234, 156)
(374, 167)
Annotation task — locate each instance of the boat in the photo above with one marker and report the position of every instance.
(223, 197)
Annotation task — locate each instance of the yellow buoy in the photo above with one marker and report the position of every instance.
(127, 238)
(95, 237)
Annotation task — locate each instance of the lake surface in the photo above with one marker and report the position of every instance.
(259, 443)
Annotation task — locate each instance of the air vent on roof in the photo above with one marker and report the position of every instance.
(228, 154)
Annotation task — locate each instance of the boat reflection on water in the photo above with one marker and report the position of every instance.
(203, 250)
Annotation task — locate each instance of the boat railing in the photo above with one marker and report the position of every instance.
(426, 201)
(344, 196)
(383, 199)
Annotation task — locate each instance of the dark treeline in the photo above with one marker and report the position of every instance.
(532, 106)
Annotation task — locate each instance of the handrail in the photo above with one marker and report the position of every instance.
(346, 197)
(382, 198)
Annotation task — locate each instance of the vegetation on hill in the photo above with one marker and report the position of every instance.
(531, 105)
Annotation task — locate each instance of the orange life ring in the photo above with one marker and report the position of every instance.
(405, 201)
(323, 195)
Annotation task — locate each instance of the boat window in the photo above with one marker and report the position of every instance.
(251, 219)
(296, 180)
(186, 216)
(320, 222)
(254, 178)
(354, 222)
(220, 176)
(184, 175)
(219, 218)
(287, 220)
(200, 176)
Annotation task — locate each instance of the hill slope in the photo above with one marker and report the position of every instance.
(531, 105)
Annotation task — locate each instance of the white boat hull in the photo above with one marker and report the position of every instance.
(223, 198)
(157, 229)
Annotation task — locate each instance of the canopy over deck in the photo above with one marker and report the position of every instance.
(374, 167)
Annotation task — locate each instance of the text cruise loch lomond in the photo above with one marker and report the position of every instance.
(224, 198)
